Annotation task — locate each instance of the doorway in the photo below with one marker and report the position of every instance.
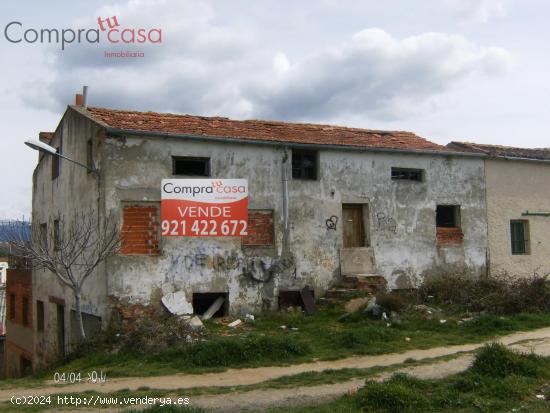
(353, 216)
(203, 301)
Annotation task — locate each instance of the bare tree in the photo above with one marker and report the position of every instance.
(70, 248)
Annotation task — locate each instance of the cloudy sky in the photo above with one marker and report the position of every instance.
(472, 70)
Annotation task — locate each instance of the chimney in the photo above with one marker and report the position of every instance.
(82, 98)
(85, 96)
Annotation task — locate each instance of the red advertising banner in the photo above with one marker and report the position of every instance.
(204, 207)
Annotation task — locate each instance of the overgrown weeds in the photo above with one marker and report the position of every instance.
(501, 294)
(498, 379)
(496, 360)
(164, 344)
(226, 352)
(399, 394)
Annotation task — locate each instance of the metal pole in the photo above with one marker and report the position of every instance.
(78, 163)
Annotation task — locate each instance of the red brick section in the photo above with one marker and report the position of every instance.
(259, 130)
(260, 229)
(501, 151)
(140, 230)
(449, 235)
(19, 283)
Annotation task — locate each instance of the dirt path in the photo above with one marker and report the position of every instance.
(260, 400)
(537, 340)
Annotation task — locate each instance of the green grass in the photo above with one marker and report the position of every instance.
(498, 381)
(291, 381)
(318, 337)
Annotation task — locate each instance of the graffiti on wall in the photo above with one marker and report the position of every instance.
(255, 268)
(332, 222)
(385, 223)
(216, 262)
(260, 271)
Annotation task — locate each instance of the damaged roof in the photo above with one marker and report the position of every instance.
(259, 130)
(498, 151)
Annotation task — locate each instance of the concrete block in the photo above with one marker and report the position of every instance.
(177, 303)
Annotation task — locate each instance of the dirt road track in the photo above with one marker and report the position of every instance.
(536, 340)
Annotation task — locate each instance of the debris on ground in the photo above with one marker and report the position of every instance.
(307, 299)
(373, 310)
(249, 318)
(213, 309)
(177, 303)
(427, 311)
(283, 327)
(235, 323)
(195, 323)
(356, 304)
(395, 318)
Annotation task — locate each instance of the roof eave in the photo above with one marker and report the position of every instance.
(490, 155)
(249, 141)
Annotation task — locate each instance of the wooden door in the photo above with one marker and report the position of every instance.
(354, 228)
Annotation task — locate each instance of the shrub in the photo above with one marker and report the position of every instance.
(391, 397)
(496, 294)
(153, 334)
(496, 360)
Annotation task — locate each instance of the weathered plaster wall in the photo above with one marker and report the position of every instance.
(402, 218)
(74, 190)
(514, 187)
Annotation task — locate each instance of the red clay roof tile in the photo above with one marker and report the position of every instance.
(498, 151)
(259, 130)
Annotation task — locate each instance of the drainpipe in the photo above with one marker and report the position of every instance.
(284, 260)
(285, 202)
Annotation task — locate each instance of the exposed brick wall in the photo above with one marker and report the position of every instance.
(140, 230)
(19, 283)
(260, 228)
(449, 235)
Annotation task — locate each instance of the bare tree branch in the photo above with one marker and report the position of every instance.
(70, 247)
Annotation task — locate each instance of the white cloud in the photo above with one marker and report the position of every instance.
(477, 10)
(374, 74)
(208, 67)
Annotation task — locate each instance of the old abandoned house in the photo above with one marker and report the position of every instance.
(518, 207)
(360, 202)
